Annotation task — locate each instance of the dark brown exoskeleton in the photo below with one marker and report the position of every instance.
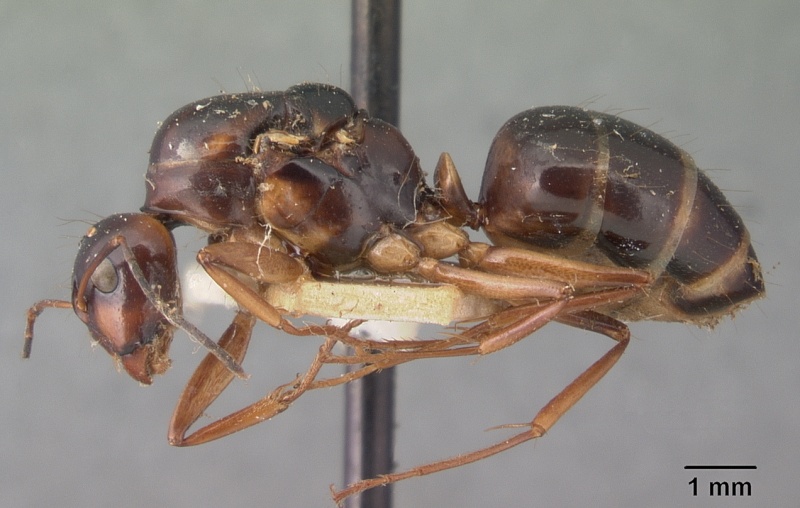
(299, 188)
(593, 187)
(293, 188)
(300, 192)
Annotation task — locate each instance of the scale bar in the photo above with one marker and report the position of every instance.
(720, 466)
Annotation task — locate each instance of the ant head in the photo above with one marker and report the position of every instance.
(124, 284)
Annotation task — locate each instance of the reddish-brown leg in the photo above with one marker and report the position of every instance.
(257, 263)
(526, 263)
(274, 403)
(551, 296)
(498, 331)
(210, 378)
(267, 266)
(263, 266)
(542, 422)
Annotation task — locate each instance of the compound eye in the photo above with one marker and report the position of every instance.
(105, 278)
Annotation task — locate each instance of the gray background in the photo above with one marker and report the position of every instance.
(82, 89)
